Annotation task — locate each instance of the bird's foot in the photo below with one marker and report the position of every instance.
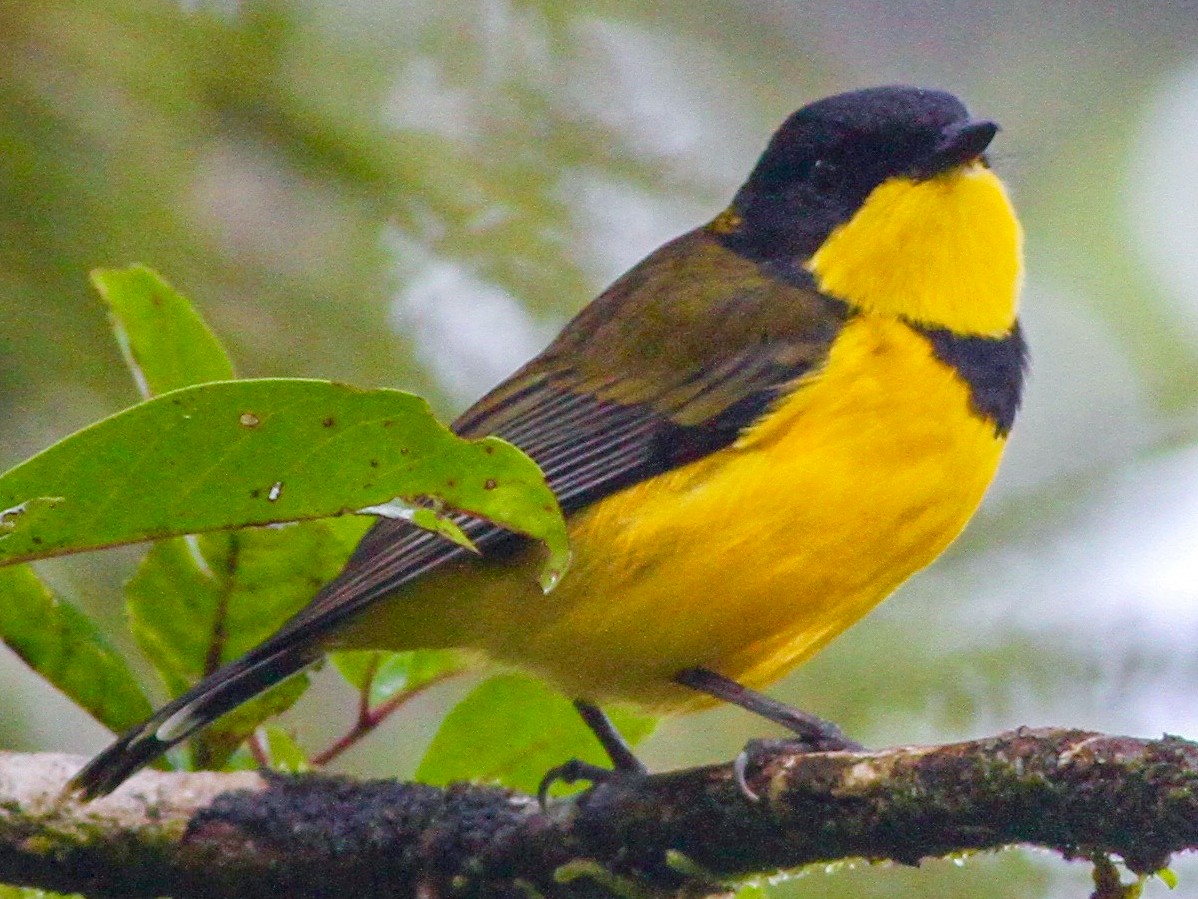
(830, 741)
(577, 770)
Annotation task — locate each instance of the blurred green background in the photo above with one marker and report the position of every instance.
(418, 193)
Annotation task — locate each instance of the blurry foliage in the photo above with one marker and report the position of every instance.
(248, 155)
(199, 602)
(297, 165)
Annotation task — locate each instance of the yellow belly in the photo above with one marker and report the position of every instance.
(749, 560)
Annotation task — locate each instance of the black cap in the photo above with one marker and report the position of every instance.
(826, 158)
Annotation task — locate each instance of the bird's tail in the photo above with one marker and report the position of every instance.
(198, 707)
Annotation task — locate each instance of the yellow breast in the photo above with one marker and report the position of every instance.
(751, 559)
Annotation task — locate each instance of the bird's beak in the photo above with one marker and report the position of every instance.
(961, 143)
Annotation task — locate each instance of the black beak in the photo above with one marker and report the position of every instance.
(963, 142)
(959, 144)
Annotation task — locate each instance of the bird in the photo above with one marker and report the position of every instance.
(756, 434)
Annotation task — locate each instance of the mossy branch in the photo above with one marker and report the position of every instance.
(685, 833)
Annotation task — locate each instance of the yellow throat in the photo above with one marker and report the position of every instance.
(945, 252)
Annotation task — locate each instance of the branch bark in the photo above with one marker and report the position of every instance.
(682, 834)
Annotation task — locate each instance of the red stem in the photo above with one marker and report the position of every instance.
(370, 718)
(258, 750)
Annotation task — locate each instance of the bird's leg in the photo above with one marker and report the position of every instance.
(814, 734)
(614, 744)
(622, 759)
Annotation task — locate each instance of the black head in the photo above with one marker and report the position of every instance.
(826, 159)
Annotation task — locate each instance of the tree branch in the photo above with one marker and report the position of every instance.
(681, 834)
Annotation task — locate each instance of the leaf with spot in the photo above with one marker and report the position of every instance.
(189, 602)
(238, 453)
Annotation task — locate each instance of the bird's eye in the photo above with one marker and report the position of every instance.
(823, 172)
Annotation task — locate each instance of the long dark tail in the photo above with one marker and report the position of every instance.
(198, 707)
(391, 554)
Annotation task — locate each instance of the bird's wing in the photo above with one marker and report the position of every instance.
(670, 364)
(618, 398)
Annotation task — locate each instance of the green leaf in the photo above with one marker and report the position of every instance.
(435, 520)
(27, 514)
(1167, 876)
(751, 891)
(165, 342)
(61, 644)
(512, 729)
(9, 892)
(171, 602)
(237, 453)
(387, 674)
(196, 603)
(285, 753)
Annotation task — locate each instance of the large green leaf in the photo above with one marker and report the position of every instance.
(60, 643)
(237, 453)
(512, 729)
(197, 602)
(166, 343)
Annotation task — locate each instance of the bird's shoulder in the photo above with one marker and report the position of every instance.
(687, 334)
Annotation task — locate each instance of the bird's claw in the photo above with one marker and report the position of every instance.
(793, 745)
(572, 772)
(740, 767)
(753, 749)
